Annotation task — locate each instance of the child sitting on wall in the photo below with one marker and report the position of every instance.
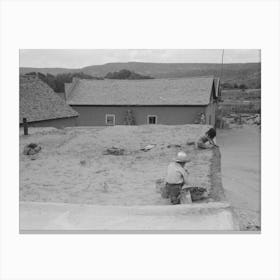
(208, 140)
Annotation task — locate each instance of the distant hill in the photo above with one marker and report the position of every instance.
(240, 73)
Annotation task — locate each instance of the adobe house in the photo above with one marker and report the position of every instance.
(41, 106)
(155, 101)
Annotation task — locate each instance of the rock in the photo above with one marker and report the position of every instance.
(26, 150)
(37, 149)
(32, 145)
(31, 149)
(34, 157)
(148, 147)
(245, 115)
(32, 152)
(197, 193)
(253, 227)
(174, 146)
(114, 151)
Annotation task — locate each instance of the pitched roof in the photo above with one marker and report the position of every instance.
(39, 102)
(180, 91)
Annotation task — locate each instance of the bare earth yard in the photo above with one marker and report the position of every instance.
(71, 167)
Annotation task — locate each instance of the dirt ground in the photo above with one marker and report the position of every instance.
(240, 149)
(71, 167)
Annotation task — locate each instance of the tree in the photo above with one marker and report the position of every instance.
(125, 74)
(227, 86)
(129, 118)
(57, 82)
(243, 87)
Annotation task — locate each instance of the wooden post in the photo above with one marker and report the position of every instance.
(25, 126)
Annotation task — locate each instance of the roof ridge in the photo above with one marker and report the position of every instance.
(147, 80)
(138, 92)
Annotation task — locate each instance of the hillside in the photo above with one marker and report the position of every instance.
(247, 73)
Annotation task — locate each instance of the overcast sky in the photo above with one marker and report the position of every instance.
(79, 58)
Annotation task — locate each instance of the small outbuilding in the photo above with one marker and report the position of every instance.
(42, 107)
(171, 101)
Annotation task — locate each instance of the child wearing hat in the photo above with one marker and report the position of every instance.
(177, 178)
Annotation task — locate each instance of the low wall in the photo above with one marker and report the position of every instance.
(59, 217)
(217, 190)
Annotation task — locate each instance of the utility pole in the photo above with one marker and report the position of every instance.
(222, 66)
(25, 126)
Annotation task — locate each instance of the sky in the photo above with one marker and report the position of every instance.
(68, 58)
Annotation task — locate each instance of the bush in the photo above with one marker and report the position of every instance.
(243, 86)
(57, 82)
(126, 75)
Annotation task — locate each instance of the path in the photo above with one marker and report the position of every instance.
(240, 149)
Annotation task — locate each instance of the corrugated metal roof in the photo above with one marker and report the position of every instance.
(181, 91)
(39, 102)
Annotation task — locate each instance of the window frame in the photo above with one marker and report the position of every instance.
(156, 119)
(114, 119)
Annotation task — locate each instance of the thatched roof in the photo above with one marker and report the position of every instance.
(179, 91)
(39, 102)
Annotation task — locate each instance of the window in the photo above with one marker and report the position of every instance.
(110, 119)
(152, 119)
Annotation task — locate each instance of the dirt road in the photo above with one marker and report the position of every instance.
(240, 149)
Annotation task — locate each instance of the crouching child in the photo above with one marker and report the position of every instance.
(177, 180)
